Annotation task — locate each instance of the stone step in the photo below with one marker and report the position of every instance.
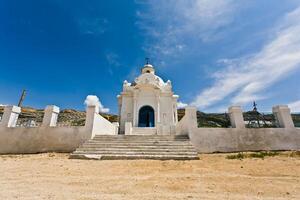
(135, 144)
(139, 137)
(140, 141)
(135, 152)
(136, 147)
(186, 148)
(131, 157)
(122, 146)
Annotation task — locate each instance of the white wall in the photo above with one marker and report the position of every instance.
(49, 138)
(41, 139)
(102, 126)
(209, 140)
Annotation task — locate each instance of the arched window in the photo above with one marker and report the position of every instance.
(146, 117)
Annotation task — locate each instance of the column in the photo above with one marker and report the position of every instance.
(128, 128)
(10, 116)
(50, 116)
(158, 108)
(134, 110)
(236, 117)
(283, 116)
(191, 115)
(91, 111)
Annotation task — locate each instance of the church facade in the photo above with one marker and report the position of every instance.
(148, 105)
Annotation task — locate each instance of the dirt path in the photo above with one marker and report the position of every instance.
(54, 176)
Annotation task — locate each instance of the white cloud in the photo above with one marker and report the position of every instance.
(244, 79)
(92, 100)
(170, 23)
(181, 104)
(294, 106)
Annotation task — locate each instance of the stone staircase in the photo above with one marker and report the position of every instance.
(117, 147)
(144, 131)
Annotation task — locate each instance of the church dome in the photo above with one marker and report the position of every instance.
(151, 79)
(148, 78)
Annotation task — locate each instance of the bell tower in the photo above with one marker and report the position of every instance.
(148, 68)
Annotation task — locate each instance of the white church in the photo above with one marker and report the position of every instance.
(148, 128)
(148, 105)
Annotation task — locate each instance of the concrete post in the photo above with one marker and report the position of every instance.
(10, 116)
(117, 125)
(91, 111)
(236, 117)
(283, 116)
(128, 128)
(50, 116)
(191, 117)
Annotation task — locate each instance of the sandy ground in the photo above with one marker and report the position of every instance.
(54, 176)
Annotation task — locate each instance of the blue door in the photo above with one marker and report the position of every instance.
(146, 117)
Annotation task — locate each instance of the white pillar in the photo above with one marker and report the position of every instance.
(191, 115)
(158, 109)
(236, 117)
(176, 112)
(128, 128)
(135, 112)
(283, 116)
(10, 116)
(50, 116)
(119, 108)
(91, 111)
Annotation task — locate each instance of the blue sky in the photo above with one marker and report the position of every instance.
(216, 53)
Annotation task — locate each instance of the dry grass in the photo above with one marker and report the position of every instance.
(262, 154)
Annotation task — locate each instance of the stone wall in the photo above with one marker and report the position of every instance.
(209, 140)
(48, 137)
(239, 138)
(41, 139)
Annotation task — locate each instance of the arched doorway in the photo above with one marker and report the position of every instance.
(146, 117)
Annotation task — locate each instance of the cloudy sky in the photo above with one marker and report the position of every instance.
(217, 53)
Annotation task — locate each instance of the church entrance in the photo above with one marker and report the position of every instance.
(146, 117)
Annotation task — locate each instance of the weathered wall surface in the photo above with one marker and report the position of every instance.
(41, 139)
(102, 126)
(239, 138)
(209, 140)
(48, 137)
(188, 122)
